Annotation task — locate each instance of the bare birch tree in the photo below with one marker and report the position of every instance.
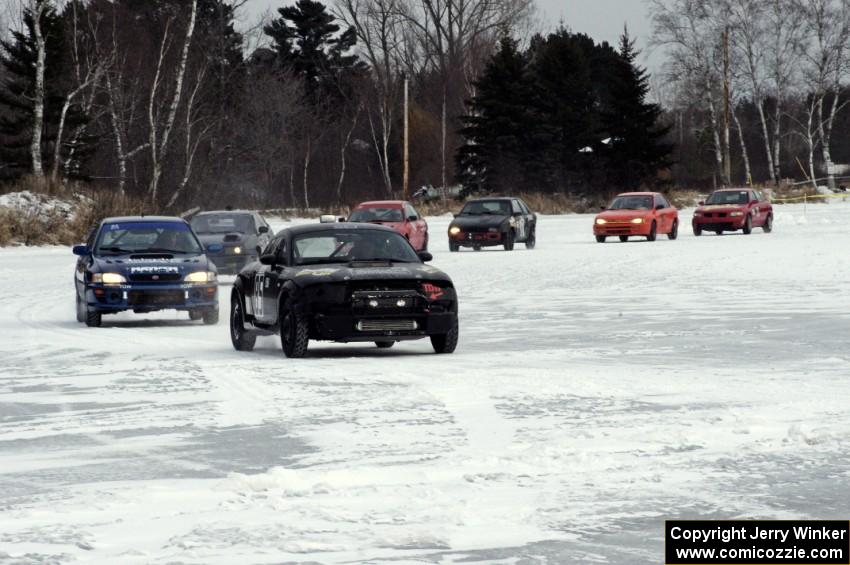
(160, 134)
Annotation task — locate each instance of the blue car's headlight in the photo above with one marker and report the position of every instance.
(108, 278)
(201, 277)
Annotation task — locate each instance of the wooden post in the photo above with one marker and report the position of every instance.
(406, 180)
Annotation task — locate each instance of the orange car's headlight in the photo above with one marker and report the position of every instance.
(601, 221)
(637, 221)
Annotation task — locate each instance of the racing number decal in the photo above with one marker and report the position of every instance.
(257, 297)
(520, 227)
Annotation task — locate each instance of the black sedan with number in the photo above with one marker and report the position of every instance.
(345, 283)
(488, 222)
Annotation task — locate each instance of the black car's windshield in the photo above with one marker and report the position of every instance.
(376, 215)
(223, 223)
(631, 203)
(344, 246)
(146, 237)
(727, 197)
(487, 207)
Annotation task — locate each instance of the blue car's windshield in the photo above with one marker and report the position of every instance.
(146, 237)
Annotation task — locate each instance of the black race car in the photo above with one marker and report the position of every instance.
(488, 222)
(145, 264)
(342, 282)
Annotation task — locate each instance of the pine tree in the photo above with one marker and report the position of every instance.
(638, 147)
(308, 43)
(565, 108)
(18, 57)
(497, 125)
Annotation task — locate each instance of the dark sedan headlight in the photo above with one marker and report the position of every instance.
(454, 230)
(108, 278)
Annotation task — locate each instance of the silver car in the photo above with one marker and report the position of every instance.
(240, 233)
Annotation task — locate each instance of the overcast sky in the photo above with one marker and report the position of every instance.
(601, 19)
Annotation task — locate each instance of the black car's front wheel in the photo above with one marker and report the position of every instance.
(242, 340)
(294, 334)
(384, 344)
(509, 240)
(446, 343)
(454, 247)
(531, 241)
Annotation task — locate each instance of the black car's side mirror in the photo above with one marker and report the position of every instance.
(82, 250)
(263, 229)
(425, 256)
(268, 259)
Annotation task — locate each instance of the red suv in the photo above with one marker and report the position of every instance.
(398, 215)
(734, 209)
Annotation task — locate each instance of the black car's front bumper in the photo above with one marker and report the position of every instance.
(477, 239)
(354, 328)
(151, 297)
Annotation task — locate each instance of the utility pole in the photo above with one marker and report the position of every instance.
(727, 110)
(406, 181)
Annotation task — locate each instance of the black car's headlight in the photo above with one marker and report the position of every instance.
(454, 230)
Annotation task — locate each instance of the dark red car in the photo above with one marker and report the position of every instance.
(398, 215)
(734, 209)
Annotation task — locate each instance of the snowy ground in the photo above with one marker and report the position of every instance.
(597, 390)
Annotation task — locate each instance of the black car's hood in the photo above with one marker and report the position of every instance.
(482, 221)
(342, 272)
(151, 264)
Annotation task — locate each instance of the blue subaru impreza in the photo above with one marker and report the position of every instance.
(145, 264)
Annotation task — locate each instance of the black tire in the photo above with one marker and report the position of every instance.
(748, 225)
(653, 232)
(195, 315)
(384, 344)
(600, 239)
(697, 231)
(294, 334)
(81, 310)
(768, 224)
(509, 240)
(93, 318)
(454, 247)
(241, 339)
(674, 233)
(624, 238)
(718, 232)
(210, 317)
(531, 240)
(446, 343)
(476, 248)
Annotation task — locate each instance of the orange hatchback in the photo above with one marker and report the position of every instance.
(642, 214)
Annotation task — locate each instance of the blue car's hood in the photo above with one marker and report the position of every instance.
(139, 264)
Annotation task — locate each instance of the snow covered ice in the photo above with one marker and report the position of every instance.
(597, 390)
